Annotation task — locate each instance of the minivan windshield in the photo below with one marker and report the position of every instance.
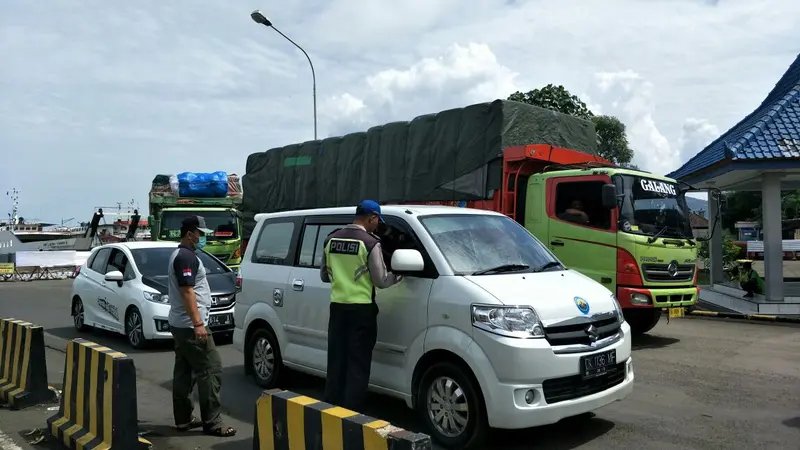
(477, 244)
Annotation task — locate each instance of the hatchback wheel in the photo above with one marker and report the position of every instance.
(134, 329)
(451, 406)
(264, 358)
(78, 315)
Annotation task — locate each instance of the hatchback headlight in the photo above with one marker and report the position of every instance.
(510, 321)
(155, 297)
(618, 307)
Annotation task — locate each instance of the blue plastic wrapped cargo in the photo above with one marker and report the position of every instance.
(196, 184)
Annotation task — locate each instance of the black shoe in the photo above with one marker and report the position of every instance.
(748, 295)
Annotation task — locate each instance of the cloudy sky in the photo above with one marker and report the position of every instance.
(97, 97)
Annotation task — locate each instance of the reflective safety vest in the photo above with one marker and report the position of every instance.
(347, 257)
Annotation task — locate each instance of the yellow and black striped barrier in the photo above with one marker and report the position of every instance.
(289, 421)
(98, 407)
(23, 368)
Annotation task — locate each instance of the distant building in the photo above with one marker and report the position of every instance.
(699, 225)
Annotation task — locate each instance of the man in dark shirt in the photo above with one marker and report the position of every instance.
(196, 358)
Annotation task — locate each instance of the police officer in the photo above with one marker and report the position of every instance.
(354, 266)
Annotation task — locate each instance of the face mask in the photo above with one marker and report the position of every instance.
(201, 242)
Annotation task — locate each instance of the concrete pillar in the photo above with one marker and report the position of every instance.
(773, 244)
(715, 245)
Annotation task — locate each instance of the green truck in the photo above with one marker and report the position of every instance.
(626, 229)
(168, 209)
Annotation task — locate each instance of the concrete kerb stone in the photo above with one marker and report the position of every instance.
(739, 316)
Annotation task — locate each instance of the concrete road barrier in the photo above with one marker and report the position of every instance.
(98, 404)
(23, 369)
(289, 421)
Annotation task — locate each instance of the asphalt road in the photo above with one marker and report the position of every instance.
(700, 384)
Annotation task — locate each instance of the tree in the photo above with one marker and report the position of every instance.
(612, 140)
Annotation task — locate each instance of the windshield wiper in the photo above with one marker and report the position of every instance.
(655, 237)
(548, 265)
(503, 268)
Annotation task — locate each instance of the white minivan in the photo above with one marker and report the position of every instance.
(487, 329)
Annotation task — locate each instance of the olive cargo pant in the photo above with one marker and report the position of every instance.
(196, 363)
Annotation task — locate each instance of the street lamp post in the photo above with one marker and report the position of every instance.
(260, 18)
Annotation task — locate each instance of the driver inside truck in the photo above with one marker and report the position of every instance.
(575, 213)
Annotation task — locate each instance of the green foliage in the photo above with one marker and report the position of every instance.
(730, 252)
(746, 206)
(556, 98)
(612, 139)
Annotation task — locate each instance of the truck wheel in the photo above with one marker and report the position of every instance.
(642, 320)
(451, 406)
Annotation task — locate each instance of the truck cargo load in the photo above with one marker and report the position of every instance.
(451, 154)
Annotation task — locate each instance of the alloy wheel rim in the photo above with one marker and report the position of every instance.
(135, 332)
(448, 408)
(263, 358)
(77, 314)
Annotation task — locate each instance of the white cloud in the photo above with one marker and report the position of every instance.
(98, 97)
(696, 134)
(462, 75)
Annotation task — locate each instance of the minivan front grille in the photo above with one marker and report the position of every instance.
(571, 387)
(663, 273)
(576, 334)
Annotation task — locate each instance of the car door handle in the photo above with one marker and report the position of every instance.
(297, 284)
(557, 243)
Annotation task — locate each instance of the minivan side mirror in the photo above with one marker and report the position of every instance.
(114, 275)
(407, 260)
(609, 196)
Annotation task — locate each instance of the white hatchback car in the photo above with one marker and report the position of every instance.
(122, 287)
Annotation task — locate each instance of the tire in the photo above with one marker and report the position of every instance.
(79, 315)
(264, 358)
(448, 378)
(642, 320)
(223, 338)
(134, 329)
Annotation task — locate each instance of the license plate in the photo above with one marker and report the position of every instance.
(598, 364)
(675, 312)
(220, 320)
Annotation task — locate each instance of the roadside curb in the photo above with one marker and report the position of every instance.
(751, 317)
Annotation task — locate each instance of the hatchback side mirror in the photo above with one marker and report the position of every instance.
(609, 196)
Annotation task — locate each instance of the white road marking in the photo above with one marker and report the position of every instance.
(6, 443)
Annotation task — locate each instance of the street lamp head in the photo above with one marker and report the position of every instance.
(258, 17)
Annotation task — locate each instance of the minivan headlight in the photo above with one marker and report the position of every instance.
(155, 297)
(510, 321)
(618, 307)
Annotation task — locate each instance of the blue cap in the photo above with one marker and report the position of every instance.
(369, 207)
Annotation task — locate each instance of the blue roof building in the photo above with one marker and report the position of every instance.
(760, 153)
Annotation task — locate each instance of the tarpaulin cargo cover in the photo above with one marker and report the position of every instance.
(454, 154)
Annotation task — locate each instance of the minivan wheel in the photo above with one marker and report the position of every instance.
(264, 358)
(452, 407)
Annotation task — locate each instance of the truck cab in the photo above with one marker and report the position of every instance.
(639, 243)
(226, 241)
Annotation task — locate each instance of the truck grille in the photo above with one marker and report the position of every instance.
(568, 388)
(674, 298)
(663, 272)
(576, 334)
(222, 302)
